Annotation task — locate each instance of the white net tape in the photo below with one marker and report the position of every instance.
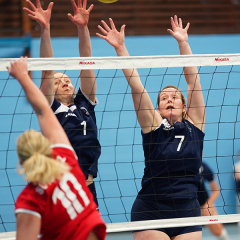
(127, 62)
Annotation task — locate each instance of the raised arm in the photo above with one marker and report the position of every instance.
(195, 101)
(214, 192)
(49, 124)
(80, 18)
(43, 18)
(148, 117)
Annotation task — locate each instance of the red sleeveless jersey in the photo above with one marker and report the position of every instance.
(66, 207)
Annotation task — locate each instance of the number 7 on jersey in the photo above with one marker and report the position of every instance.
(181, 141)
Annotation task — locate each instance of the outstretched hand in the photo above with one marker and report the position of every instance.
(37, 13)
(178, 32)
(81, 13)
(111, 35)
(18, 68)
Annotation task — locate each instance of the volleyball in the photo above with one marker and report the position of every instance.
(107, 1)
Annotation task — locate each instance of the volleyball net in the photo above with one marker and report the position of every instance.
(121, 163)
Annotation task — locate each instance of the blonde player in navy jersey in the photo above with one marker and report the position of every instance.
(56, 203)
(76, 114)
(172, 143)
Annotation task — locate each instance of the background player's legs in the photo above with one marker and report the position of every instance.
(216, 229)
(238, 206)
(150, 234)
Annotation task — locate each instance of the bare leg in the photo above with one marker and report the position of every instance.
(189, 236)
(92, 235)
(216, 229)
(150, 235)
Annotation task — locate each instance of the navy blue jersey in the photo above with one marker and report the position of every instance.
(206, 174)
(238, 186)
(173, 155)
(79, 123)
(237, 181)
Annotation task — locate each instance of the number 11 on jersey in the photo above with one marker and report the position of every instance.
(68, 198)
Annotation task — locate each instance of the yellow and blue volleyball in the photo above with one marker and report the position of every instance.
(107, 1)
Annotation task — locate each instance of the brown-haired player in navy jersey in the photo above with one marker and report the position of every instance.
(172, 143)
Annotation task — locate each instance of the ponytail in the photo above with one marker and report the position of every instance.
(34, 154)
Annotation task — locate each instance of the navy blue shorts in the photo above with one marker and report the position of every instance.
(93, 191)
(202, 195)
(143, 209)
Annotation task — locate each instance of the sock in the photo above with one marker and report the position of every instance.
(224, 235)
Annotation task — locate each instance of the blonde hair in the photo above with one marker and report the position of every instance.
(182, 96)
(34, 154)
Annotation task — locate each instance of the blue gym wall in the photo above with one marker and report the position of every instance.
(125, 161)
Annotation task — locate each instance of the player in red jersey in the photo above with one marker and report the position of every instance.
(56, 203)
